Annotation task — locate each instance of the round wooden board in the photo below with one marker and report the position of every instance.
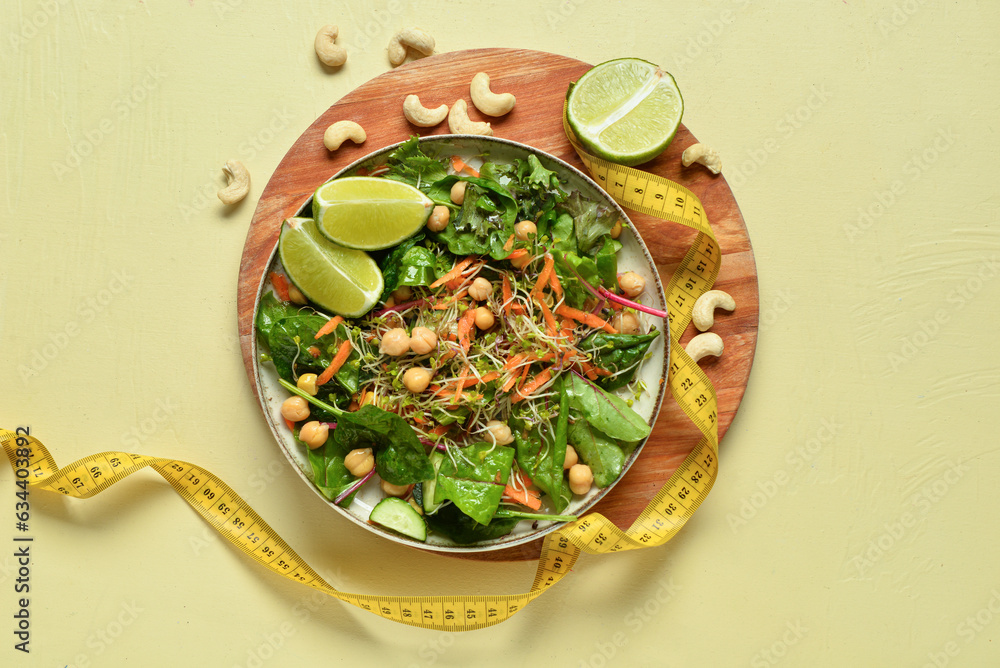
(539, 80)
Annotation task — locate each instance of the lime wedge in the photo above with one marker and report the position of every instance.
(625, 110)
(337, 279)
(368, 212)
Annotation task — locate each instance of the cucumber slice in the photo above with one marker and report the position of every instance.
(399, 516)
(427, 486)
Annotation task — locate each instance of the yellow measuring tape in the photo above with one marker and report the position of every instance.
(668, 511)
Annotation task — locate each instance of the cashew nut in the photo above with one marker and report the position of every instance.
(486, 101)
(340, 132)
(705, 344)
(414, 38)
(420, 115)
(238, 179)
(460, 124)
(703, 313)
(702, 154)
(329, 52)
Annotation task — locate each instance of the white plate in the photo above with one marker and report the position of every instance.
(634, 256)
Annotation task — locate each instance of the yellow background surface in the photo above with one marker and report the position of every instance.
(854, 520)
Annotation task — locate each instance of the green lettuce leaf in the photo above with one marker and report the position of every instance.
(399, 456)
(615, 352)
(475, 488)
(605, 412)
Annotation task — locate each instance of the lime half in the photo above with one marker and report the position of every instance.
(338, 279)
(625, 110)
(369, 213)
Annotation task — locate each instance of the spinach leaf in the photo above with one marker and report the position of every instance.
(411, 165)
(464, 530)
(602, 454)
(399, 456)
(606, 259)
(615, 352)
(562, 234)
(545, 465)
(329, 473)
(605, 412)
(484, 222)
(287, 331)
(475, 488)
(408, 264)
(585, 268)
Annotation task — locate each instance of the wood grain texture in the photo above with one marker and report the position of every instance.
(539, 80)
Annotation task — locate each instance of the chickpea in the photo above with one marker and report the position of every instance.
(390, 302)
(307, 383)
(458, 192)
(521, 262)
(499, 432)
(314, 434)
(295, 408)
(369, 398)
(295, 296)
(525, 229)
(423, 340)
(416, 506)
(625, 323)
(484, 318)
(416, 379)
(394, 490)
(438, 219)
(632, 283)
(571, 457)
(359, 462)
(395, 342)
(481, 289)
(402, 294)
(616, 229)
(580, 479)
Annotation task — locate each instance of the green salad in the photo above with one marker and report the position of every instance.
(495, 376)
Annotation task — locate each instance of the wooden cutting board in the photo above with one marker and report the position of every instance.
(539, 80)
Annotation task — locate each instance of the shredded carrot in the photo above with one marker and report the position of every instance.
(459, 166)
(526, 497)
(455, 272)
(543, 277)
(518, 309)
(508, 296)
(465, 325)
(514, 360)
(510, 382)
(550, 322)
(291, 425)
(515, 254)
(440, 430)
(338, 361)
(330, 325)
(447, 302)
(314, 351)
(460, 384)
(588, 319)
(280, 284)
(529, 388)
(509, 243)
(554, 283)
